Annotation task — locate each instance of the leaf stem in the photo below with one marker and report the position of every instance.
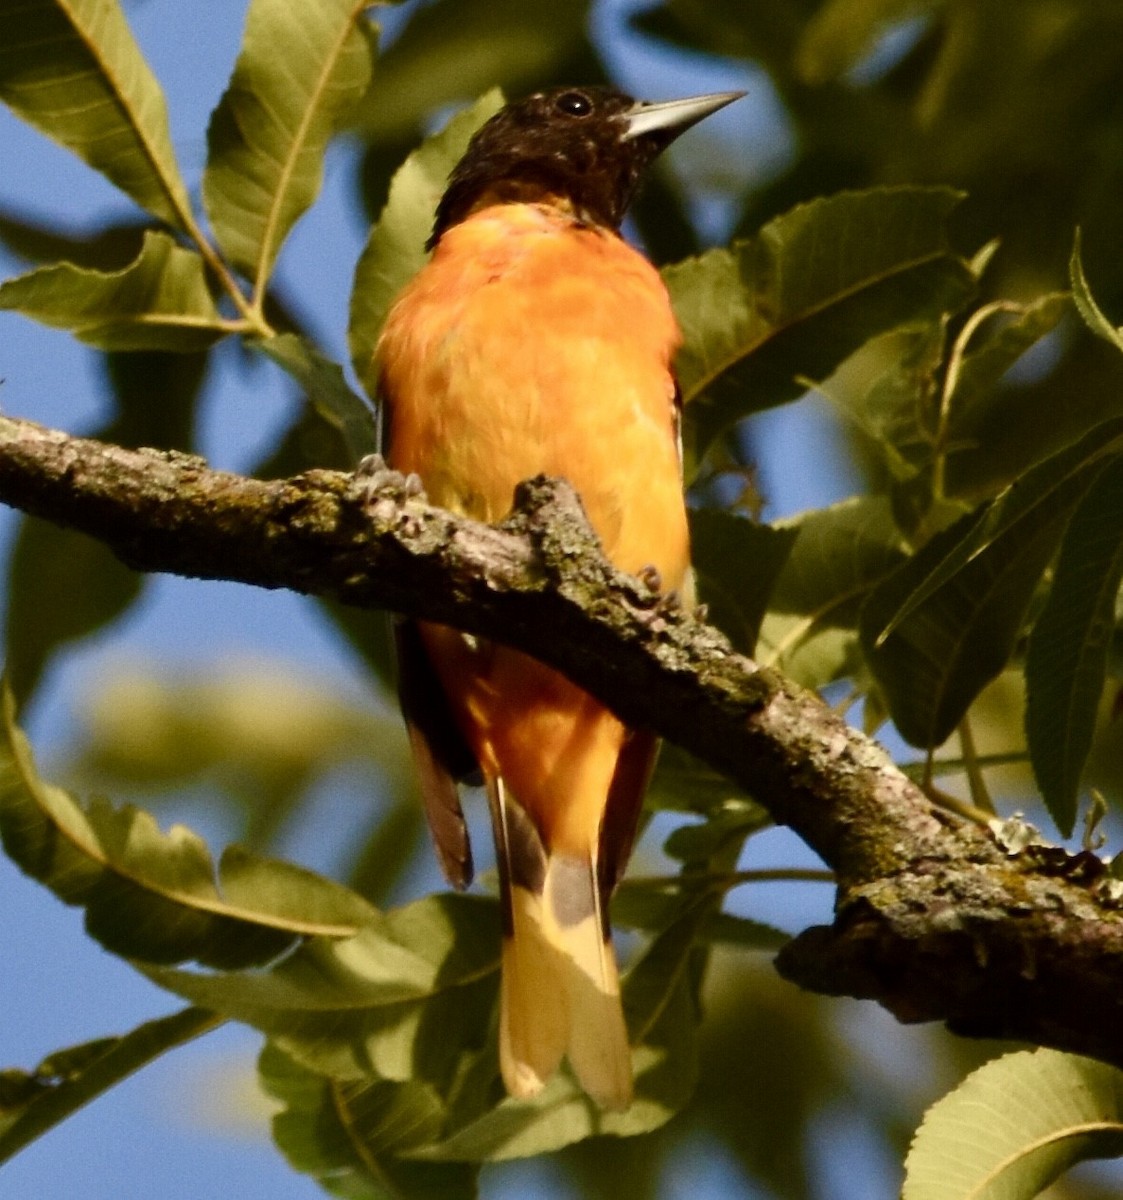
(951, 382)
(980, 793)
(727, 880)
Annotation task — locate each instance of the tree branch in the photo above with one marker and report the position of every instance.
(934, 919)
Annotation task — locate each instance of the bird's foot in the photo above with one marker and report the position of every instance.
(373, 479)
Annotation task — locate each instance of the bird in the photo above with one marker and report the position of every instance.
(536, 340)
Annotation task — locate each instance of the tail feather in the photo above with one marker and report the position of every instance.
(533, 1013)
(560, 993)
(597, 1043)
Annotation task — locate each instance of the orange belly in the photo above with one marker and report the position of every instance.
(531, 344)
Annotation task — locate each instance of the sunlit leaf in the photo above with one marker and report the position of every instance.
(72, 69)
(350, 1135)
(395, 249)
(299, 74)
(1067, 660)
(159, 302)
(326, 388)
(71, 1078)
(808, 290)
(1014, 1126)
(156, 896)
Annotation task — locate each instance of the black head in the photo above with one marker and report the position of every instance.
(588, 146)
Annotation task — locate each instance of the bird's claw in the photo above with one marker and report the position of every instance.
(372, 476)
(651, 578)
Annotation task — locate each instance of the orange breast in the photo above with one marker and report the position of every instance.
(531, 344)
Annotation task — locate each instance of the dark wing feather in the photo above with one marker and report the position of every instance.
(439, 750)
(622, 812)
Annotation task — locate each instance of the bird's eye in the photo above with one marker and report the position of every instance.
(574, 104)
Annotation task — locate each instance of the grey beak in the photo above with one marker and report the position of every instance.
(673, 116)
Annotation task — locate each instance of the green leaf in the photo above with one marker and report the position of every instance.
(1004, 339)
(662, 1017)
(842, 33)
(1014, 1126)
(697, 843)
(683, 784)
(943, 625)
(300, 73)
(403, 997)
(736, 561)
(350, 1135)
(887, 391)
(154, 896)
(452, 50)
(395, 249)
(650, 905)
(159, 302)
(63, 586)
(71, 1078)
(326, 389)
(1086, 305)
(840, 555)
(1024, 505)
(1066, 665)
(808, 290)
(37, 241)
(72, 69)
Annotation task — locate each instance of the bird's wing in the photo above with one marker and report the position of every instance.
(439, 750)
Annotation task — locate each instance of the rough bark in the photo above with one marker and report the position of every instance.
(935, 920)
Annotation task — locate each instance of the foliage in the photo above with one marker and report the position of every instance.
(907, 265)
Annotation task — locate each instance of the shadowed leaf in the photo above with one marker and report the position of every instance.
(1085, 303)
(350, 1135)
(842, 33)
(1068, 650)
(840, 554)
(63, 586)
(944, 625)
(737, 562)
(326, 389)
(453, 49)
(40, 242)
(808, 290)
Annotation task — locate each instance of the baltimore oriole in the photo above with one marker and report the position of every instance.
(535, 340)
